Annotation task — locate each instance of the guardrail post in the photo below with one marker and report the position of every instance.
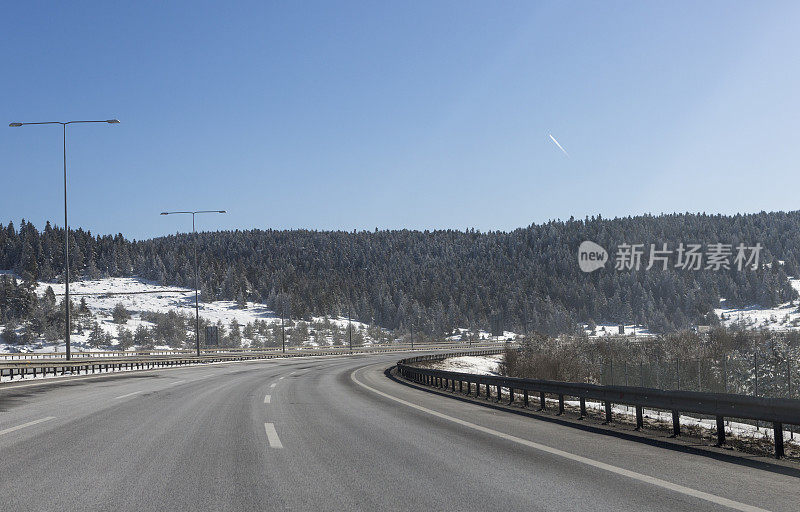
(460, 385)
(583, 408)
(499, 392)
(676, 424)
(542, 401)
(560, 404)
(608, 412)
(777, 429)
(639, 418)
(720, 430)
(525, 398)
(511, 395)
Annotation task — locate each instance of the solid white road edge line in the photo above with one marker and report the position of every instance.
(272, 436)
(127, 395)
(273, 384)
(267, 399)
(719, 500)
(29, 424)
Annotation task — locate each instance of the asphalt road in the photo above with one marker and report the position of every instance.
(332, 434)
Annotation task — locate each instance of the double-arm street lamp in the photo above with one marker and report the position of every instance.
(196, 301)
(66, 225)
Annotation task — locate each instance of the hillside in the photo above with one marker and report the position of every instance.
(163, 317)
(526, 279)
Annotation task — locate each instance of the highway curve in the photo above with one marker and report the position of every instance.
(333, 434)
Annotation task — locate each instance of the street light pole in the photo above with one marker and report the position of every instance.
(283, 328)
(349, 328)
(66, 224)
(196, 287)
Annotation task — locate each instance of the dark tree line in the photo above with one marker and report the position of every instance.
(438, 280)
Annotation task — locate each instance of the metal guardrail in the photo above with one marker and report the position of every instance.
(156, 359)
(778, 411)
(228, 350)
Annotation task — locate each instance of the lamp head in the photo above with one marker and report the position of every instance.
(14, 125)
(113, 121)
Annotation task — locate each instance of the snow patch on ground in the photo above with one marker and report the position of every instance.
(784, 317)
(463, 335)
(479, 365)
(602, 330)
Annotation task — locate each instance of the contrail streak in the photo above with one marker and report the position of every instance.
(559, 145)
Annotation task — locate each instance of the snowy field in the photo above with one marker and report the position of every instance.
(479, 365)
(784, 317)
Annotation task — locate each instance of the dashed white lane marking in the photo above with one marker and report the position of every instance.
(713, 498)
(280, 378)
(174, 383)
(267, 399)
(272, 436)
(273, 384)
(29, 424)
(127, 395)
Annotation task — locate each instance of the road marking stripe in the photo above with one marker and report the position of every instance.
(173, 384)
(273, 384)
(267, 398)
(125, 396)
(719, 500)
(280, 378)
(29, 424)
(272, 436)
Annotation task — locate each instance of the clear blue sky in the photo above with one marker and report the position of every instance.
(345, 115)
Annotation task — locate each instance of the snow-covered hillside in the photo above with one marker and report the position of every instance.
(781, 318)
(139, 297)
